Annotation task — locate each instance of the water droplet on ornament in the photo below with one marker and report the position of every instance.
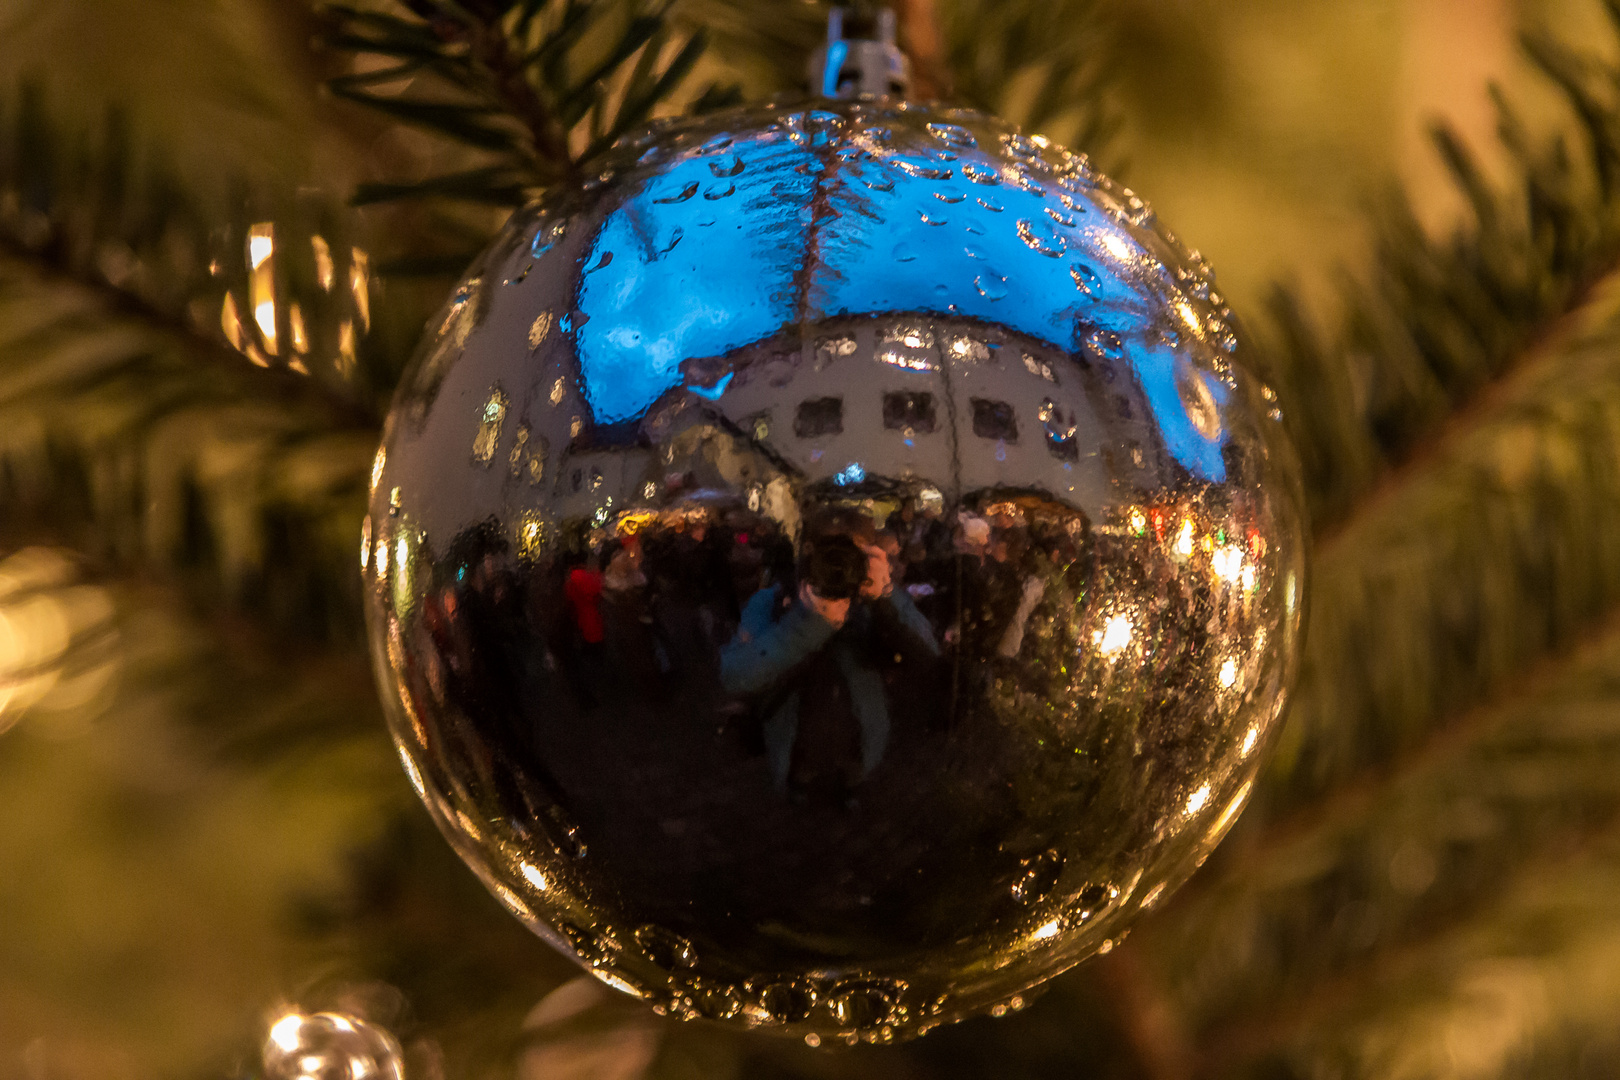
(685, 193)
(1030, 184)
(953, 135)
(727, 167)
(951, 197)
(785, 1001)
(1050, 246)
(1038, 874)
(864, 1003)
(990, 204)
(885, 183)
(715, 1000)
(1106, 343)
(714, 192)
(1085, 278)
(589, 946)
(991, 286)
(547, 237)
(1021, 145)
(1066, 220)
(665, 948)
(936, 219)
(1092, 895)
(904, 253)
(921, 170)
(981, 175)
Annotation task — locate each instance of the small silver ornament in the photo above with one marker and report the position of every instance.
(330, 1046)
(832, 571)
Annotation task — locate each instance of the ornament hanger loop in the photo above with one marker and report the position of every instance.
(859, 67)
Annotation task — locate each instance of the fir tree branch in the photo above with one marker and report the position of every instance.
(1489, 558)
(1437, 322)
(1043, 66)
(1506, 796)
(1553, 928)
(130, 427)
(534, 90)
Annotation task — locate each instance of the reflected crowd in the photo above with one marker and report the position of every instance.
(886, 680)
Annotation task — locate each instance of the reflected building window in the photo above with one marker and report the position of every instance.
(819, 416)
(994, 420)
(904, 411)
(1060, 429)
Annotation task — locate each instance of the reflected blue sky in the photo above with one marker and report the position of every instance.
(703, 259)
(729, 244)
(1156, 370)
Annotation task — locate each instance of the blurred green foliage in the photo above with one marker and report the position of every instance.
(201, 820)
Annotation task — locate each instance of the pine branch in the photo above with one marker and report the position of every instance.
(1438, 322)
(1485, 801)
(130, 425)
(1043, 66)
(1448, 746)
(263, 828)
(1535, 976)
(536, 90)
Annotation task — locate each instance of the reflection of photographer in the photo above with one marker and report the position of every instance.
(816, 656)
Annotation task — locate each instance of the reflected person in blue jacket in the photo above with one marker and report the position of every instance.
(818, 655)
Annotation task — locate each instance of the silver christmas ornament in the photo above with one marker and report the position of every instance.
(330, 1046)
(832, 572)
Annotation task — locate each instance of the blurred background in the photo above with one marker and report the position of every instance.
(202, 823)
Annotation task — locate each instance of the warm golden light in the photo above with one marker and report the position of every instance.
(295, 320)
(539, 329)
(284, 1032)
(261, 244)
(262, 282)
(360, 285)
(346, 354)
(1117, 246)
(1196, 801)
(1115, 635)
(491, 417)
(324, 271)
(230, 320)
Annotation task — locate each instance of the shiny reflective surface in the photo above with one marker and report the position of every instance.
(330, 1046)
(834, 572)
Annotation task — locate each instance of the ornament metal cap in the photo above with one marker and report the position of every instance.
(859, 67)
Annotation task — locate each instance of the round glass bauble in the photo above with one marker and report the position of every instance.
(831, 571)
